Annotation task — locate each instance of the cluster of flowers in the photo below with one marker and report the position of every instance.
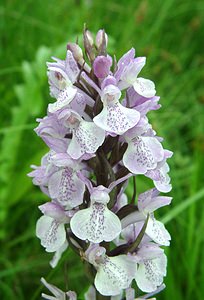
(99, 137)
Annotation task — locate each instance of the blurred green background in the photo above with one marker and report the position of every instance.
(171, 34)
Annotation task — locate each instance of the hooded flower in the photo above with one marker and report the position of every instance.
(114, 117)
(144, 151)
(96, 223)
(127, 75)
(148, 202)
(140, 103)
(50, 227)
(64, 185)
(152, 263)
(150, 258)
(160, 174)
(53, 132)
(113, 273)
(86, 136)
(62, 75)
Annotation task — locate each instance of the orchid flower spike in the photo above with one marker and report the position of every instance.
(114, 117)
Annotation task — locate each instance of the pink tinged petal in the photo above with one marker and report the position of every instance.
(158, 202)
(109, 80)
(133, 69)
(51, 233)
(123, 62)
(54, 211)
(149, 251)
(101, 66)
(58, 254)
(90, 82)
(132, 218)
(157, 232)
(149, 201)
(144, 87)
(66, 188)
(150, 273)
(142, 154)
(117, 118)
(63, 99)
(71, 67)
(114, 275)
(87, 138)
(161, 178)
(96, 224)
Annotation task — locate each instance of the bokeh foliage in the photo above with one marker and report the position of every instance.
(170, 33)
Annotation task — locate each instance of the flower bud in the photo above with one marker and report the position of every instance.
(76, 51)
(100, 39)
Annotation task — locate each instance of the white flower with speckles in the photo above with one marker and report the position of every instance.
(61, 85)
(113, 273)
(50, 227)
(144, 151)
(152, 263)
(96, 223)
(64, 185)
(86, 136)
(114, 117)
(127, 74)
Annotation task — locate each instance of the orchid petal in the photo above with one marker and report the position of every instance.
(144, 87)
(63, 99)
(58, 254)
(142, 154)
(51, 232)
(96, 224)
(148, 202)
(115, 274)
(66, 188)
(157, 232)
(150, 273)
(87, 138)
(116, 118)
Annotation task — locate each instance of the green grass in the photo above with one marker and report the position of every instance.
(170, 33)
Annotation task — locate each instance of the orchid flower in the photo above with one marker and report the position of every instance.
(61, 76)
(160, 174)
(148, 202)
(127, 74)
(97, 223)
(50, 227)
(114, 117)
(144, 151)
(113, 273)
(87, 137)
(64, 185)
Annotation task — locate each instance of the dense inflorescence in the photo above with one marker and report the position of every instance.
(99, 137)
